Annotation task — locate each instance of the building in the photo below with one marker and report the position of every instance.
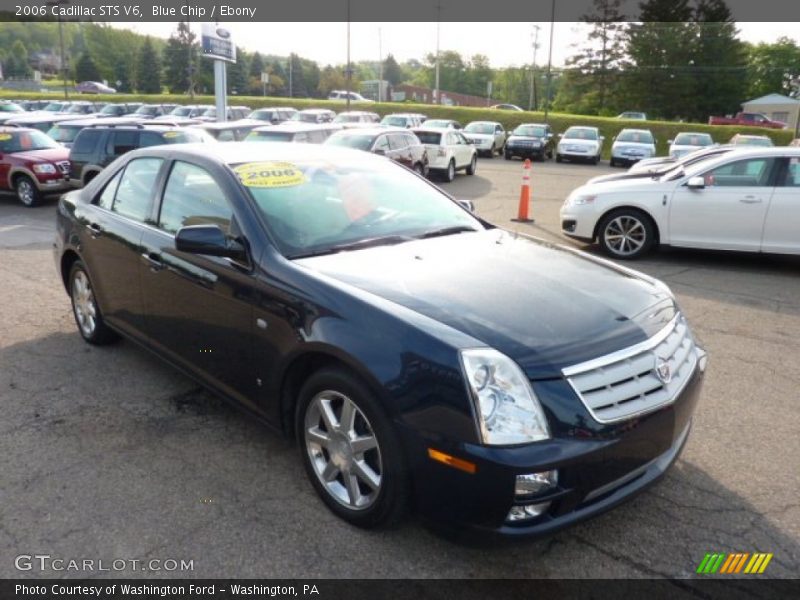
(776, 107)
(415, 93)
(375, 89)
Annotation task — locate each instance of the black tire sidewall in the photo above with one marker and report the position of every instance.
(392, 500)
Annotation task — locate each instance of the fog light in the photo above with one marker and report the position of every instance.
(702, 358)
(526, 511)
(535, 483)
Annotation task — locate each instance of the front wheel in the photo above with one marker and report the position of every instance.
(350, 451)
(626, 234)
(558, 158)
(27, 192)
(473, 165)
(418, 169)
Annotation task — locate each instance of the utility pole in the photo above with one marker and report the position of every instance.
(349, 71)
(532, 99)
(380, 66)
(438, 24)
(291, 61)
(61, 38)
(550, 60)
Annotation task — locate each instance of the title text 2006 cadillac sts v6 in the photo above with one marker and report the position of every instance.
(421, 357)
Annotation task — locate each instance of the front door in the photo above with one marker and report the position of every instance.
(783, 217)
(728, 213)
(199, 308)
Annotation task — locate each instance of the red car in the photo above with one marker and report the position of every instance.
(746, 118)
(32, 164)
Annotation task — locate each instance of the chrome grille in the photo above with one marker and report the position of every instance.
(639, 379)
(63, 166)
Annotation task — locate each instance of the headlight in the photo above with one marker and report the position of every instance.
(583, 199)
(44, 168)
(508, 411)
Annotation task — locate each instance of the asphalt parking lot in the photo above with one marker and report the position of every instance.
(107, 453)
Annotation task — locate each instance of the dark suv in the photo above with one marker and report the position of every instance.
(97, 146)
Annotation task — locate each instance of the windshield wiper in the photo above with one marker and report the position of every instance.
(446, 231)
(383, 240)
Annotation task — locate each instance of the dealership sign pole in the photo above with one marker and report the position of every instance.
(218, 44)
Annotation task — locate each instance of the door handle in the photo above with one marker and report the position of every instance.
(95, 231)
(152, 260)
(750, 200)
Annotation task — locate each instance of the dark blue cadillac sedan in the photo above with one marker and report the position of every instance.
(421, 357)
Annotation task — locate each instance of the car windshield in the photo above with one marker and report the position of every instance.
(147, 110)
(181, 111)
(305, 117)
(395, 121)
(753, 141)
(80, 109)
(429, 137)
(360, 142)
(530, 131)
(111, 109)
(693, 139)
(24, 141)
(261, 115)
(477, 128)
(343, 118)
(269, 136)
(63, 133)
(187, 136)
(323, 206)
(580, 134)
(54, 107)
(441, 123)
(637, 137)
(9, 107)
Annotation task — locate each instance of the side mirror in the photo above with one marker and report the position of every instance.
(669, 142)
(560, 135)
(467, 204)
(696, 183)
(602, 138)
(379, 151)
(209, 240)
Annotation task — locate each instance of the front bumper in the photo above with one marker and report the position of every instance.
(598, 467)
(54, 185)
(582, 154)
(578, 222)
(525, 150)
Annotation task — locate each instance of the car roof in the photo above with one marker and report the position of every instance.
(42, 118)
(484, 122)
(634, 130)
(316, 110)
(229, 124)
(94, 121)
(744, 152)
(752, 136)
(533, 125)
(244, 153)
(582, 127)
(4, 129)
(275, 108)
(371, 131)
(692, 133)
(293, 126)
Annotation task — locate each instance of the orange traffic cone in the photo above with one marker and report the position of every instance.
(525, 194)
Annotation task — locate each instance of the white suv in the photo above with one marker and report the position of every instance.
(342, 95)
(448, 151)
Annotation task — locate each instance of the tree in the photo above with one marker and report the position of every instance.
(122, 77)
(256, 66)
(148, 69)
(719, 62)
(17, 62)
(659, 80)
(180, 57)
(330, 79)
(86, 70)
(767, 65)
(391, 70)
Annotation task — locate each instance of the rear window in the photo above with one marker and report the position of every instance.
(395, 121)
(479, 128)
(580, 134)
(361, 142)
(638, 137)
(429, 137)
(693, 139)
(64, 133)
(269, 136)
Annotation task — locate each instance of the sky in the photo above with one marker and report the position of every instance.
(506, 44)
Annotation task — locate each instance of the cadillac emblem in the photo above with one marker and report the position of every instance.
(663, 371)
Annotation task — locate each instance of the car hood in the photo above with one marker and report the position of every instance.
(48, 154)
(545, 306)
(532, 138)
(639, 182)
(571, 142)
(637, 145)
(479, 136)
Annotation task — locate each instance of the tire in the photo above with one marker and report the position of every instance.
(612, 162)
(596, 160)
(85, 310)
(473, 165)
(506, 155)
(493, 151)
(418, 169)
(27, 192)
(366, 485)
(626, 234)
(450, 172)
(559, 158)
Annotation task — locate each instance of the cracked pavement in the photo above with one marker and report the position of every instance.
(109, 453)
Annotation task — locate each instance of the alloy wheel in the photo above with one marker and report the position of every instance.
(84, 304)
(343, 450)
(625, 235)
(25, 192)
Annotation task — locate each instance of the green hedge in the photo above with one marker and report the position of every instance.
(609, 126)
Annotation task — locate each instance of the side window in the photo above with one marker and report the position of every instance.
(382, 143)
(226, 135)
(192, 197)
(149, 138)
(106, 199)
(86, 141)
(498, 129)
(792, 178)
(300, 137)
(411, 139)
(136, 188)
(753, 172)
(123, 141)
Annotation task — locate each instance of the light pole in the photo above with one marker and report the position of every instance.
(532, 99)
(61, 38)
(291, 61)
(380, 66)
(550, 60)
(438, 24)
(349, 72)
